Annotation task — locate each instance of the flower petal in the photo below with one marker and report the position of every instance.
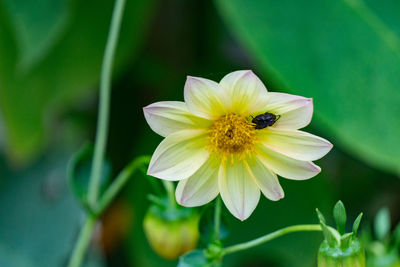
(179, 155)
(248, 93)
(200, 188)
(168, 117)
(285, 166)
(295, 111)
(205, 98)
(294, 143)
(238, 190)
(266, 180)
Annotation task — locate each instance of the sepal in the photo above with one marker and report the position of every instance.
(340, 249)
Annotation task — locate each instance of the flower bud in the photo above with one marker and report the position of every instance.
(171, 233)
(340, 249)
(352, 256)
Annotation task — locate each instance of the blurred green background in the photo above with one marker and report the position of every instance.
(344, 54)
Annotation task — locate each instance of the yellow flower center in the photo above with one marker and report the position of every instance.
(232, 135)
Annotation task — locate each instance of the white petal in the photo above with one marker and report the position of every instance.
(168, 117)
(285, 166)
(179, 155)
(248, 93)
(294, 143)
(266, 180)
(295, 111)
(238, 190)
(201, 187)
(205, 98)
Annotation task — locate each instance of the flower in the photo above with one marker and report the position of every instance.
(212, 146)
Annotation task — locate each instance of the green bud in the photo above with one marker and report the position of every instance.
(340, 249)
(171, 233)
(352, 256)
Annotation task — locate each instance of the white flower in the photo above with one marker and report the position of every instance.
(211, 145)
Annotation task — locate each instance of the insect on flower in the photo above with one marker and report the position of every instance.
(264, 120)
(212, 147)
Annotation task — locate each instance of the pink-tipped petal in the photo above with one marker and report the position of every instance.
(205, 98)
(168, 117)
(179, 155)
(266, 180)
(285, 166)
(294, 143)
(248, 93)
(295, 111)
(238, 190)
(200, 188)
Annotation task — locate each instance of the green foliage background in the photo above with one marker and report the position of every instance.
(345, 54)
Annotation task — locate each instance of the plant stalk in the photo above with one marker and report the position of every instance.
(119, 182)
(170, 188)
(104, 105)
(101, 135)
(270, 236)
(83, 242)
(217, 219)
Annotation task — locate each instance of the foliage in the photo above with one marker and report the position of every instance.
(344, 54)
(384, 249)
(51, 56)
(38, 215)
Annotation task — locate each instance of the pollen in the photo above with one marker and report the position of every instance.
(232, 135)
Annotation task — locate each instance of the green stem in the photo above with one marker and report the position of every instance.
(270, 236)
(119, 182)
(101, 135)
(170, 188)
(82, 243)
(104, 105)
(108, 196)
(217, 218)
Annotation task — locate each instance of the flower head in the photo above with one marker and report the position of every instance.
(233, 138)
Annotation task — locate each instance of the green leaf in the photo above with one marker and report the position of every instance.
(339, 214)
(39, 218)
(382, 223)
(31, 101)
(13, 258)
(344, 54)
(36, 25)
(321, 217)
(79, 169)
(356, 223)
(196, 258)
(331, 235)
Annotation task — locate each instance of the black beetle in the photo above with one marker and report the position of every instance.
(264, 120)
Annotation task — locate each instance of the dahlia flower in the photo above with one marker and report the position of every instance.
(233, 138)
